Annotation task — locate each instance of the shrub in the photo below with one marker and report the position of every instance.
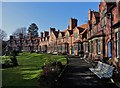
(50, 73)
(7, 63)
(14, 61)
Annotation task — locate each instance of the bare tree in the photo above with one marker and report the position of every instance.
(3, 35)
(21, 30)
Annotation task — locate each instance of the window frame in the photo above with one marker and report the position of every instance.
(109, 49)
(76, 35)
(67, 37)
(117, 44)
(98, 46)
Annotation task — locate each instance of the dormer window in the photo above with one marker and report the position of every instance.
(75, 36)
(59, 39)
(103, 19)
(67, 37)
(103, 22)
(104, 12)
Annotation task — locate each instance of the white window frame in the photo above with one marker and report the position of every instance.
(117, 44)
(75, 36)
(67, 37)
(86, 46)
(99, 47)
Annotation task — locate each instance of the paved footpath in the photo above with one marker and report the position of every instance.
(78, 75)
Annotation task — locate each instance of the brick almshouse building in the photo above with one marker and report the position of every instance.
(99, 38)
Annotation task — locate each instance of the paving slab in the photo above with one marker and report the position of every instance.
(78, 75)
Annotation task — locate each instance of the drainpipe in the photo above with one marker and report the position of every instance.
(71, 46)
(111, 30)
(111, 24)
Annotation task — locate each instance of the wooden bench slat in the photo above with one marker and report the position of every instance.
(103, 70)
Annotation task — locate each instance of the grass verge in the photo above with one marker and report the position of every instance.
(28, 71)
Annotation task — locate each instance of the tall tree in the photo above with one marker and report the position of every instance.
(33, 29)
(18, 31)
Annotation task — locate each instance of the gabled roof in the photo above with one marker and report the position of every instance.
(80, 29)
(63, 33)
(56, 33)
(48, 37)
(64, 30)
(70, 31)
(89, 22)
(65, 42)
(84, 26)
(97, 16)
(85, 40)
(109, 3)
(78, 40)
(72, 35)
(83, 31)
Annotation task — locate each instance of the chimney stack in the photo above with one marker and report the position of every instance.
(46, 33)
(41, 34)
(52, 29)
(11, 37)
(73, 23)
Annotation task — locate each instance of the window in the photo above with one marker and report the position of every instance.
(60, 48)
(76, 46)
(67, 37)
(110, 49)
(59, 39)
(104, 12)
(88, 35)
(63, 48)
(18, 42)
(98, 46)
(75, 36)
(86, 47)
(79, 47)
(72, 48)
(117, 45)
(91, 46)
(103, 23)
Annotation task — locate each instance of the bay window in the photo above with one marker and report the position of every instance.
(98, 47)
(86, 47)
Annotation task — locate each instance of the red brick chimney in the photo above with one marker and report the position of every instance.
(41, 34)
(52, 29)
(46, 33)
(73, 23)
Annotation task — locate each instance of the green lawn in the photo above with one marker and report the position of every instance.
(26, 74)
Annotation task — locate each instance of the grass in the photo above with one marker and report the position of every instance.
(3, 58)
(28, 71)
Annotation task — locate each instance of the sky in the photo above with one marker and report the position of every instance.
(44, 14)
